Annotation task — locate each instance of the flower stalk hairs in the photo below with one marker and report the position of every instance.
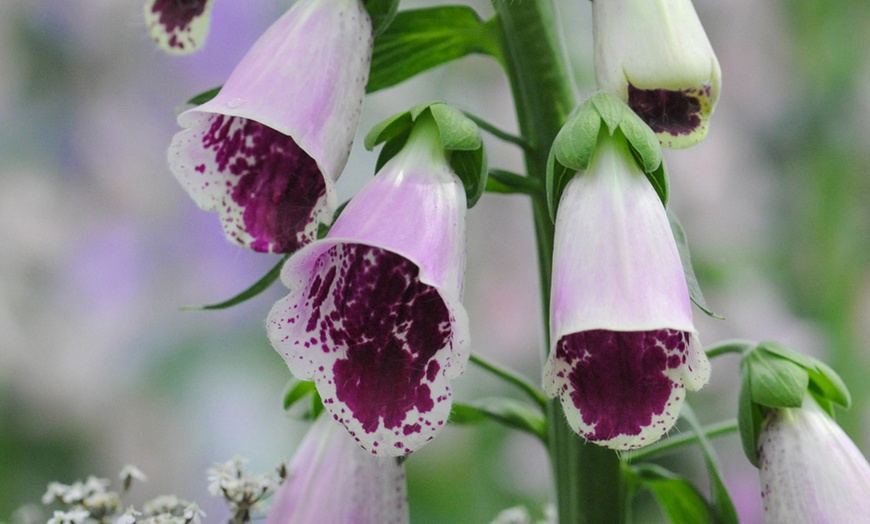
(266, 151)
(374, 314)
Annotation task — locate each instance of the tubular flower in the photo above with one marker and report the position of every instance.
(332, 481)
(623, 342)
(810, 470)
(178, 26)
(373, 315)
(266, 151)
(656, 56)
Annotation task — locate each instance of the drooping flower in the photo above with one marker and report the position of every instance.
(810, 470)
(623, 342)
(374, 314)
(332, 481)
(266, 151)
(656, 56)
(178, 26)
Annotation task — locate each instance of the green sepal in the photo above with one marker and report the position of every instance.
(576, 142)
(382, 13)
(298, 390)
(776, 382)
(679, 500)
(824, 383)
(749, 417)
(256, 288)
(682, 242)
(205, 96)
(420, 39)
(512, 413)
(460, 138)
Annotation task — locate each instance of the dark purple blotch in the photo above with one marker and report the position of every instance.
(390, 325)
(617, 378)
(278, 186)
(666, 111)
(176, 15)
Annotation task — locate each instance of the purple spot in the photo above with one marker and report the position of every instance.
(672, 112)
(176, 16)
(200, 168)
(411, 428)
(391, 327)
(278, 186)
(617, 378)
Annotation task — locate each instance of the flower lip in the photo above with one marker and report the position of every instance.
(178, 26)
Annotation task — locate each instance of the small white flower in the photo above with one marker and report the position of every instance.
(55, 491)
(129, 516)
(130, 473)
(515, 515)
(75, 516)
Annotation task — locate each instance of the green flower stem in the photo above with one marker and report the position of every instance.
(498, 133)
(501, 181)
(589, 487)
(730, 346)
(509, 376)
(713, 430)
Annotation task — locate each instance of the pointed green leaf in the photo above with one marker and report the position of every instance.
(749, 416)
(205, 96)
(420, 39)
(296, 391)
(458, 132)
(382, 13)
(776, 382)
(679, 500)
(510, 412)
(723, 507)
(575, 143)
(465, 414)
(558, 177)
(658, 178)
(611, 109)
(257, 288)
(389, 129)
(824, 381)
(470, 167)
(686, 259)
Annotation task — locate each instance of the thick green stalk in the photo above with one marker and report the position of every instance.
(587, 477)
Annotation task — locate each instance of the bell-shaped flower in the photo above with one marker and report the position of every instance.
(374, 314)
(266, 151)
(623, 345)
(656, 56)
(810, 470)
(332, 481)
(178, 26)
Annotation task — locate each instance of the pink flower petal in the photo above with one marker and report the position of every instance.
(332, 480)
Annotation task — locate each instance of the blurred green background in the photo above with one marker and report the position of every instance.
(99, 248)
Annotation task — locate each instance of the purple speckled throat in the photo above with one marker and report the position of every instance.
(275, 184)
(672, 112)
(377, 332)
(618, 381)
(176, 16)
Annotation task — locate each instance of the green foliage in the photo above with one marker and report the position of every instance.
(382, 13)
(512, 413)
(420, 39)
(298, 390)
(720, 500)
(680, 501)
(686, 259)
(258, 287)
(460, 138)
(205, 96)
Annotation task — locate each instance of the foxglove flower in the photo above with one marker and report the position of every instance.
(178, 26)
(332, 481)
(623, 342)
(810, 470)
(373, 315)
(656, 56)
(266, 151)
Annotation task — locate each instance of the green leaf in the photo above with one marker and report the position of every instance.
(510, 412)
(611, 109)
(205, 96)
(257, 288)
(470, 167)
(680, 501)
(382, 13)
(749, 417)
(558, 177)
(420, 39)
(296, 391)
(723, 507)
(686, 259)
(643, 141)
(776, 382)
(658, 178)
(389, 129)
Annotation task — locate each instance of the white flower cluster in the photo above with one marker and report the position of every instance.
(244, 492)
(520, 515)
